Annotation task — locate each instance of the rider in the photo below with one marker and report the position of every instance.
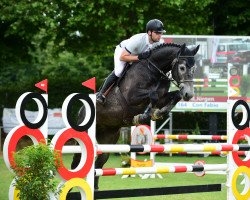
(133, 49)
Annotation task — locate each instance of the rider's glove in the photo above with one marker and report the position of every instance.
(144, 55)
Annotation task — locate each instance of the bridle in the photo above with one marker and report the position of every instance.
(173, 65)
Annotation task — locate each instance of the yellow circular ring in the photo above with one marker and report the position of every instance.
(242, 169)
(16, 192)
(76, 182)
(13, 192)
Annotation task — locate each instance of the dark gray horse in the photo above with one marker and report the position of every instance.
(144, 86)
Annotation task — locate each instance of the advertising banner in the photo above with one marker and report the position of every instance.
(222, 71)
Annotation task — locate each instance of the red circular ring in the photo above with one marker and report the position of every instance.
(19, 133)
(84, 137)
(237, 136)
(231, 81)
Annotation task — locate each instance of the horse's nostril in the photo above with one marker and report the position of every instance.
(188, 96)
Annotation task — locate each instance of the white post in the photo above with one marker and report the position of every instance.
(152, 154)
(153, 129)
(44, 128)
(92, 134)
(245, 69)
(170, 129)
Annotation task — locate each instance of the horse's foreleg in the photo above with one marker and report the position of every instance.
(143, 118)
(170, 102)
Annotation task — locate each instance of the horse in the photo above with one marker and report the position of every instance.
(143, 94)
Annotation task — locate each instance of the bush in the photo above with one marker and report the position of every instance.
(35, 168)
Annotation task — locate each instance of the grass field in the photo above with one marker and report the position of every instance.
(116, 182)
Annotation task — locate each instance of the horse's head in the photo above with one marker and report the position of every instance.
(183, 71)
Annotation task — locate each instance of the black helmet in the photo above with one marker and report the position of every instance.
(155, 25)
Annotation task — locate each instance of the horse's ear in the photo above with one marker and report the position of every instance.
(181, 50)
(195, 49)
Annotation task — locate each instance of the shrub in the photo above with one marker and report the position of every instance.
(35, 168)
(244, 85)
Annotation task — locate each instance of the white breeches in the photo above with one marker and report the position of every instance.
(119, 65)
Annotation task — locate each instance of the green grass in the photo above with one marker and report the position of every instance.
(116, 182)
(168, 180)
(5, 179)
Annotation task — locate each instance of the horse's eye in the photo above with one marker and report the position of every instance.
(182, 68)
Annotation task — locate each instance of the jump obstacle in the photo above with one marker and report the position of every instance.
(206, 149)
(85, 135)
(173, 148)
(193, 137)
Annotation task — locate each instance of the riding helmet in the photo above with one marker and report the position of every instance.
(155, 25)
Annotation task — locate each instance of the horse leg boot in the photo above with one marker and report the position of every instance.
(108, 82)
(146, 116)
(143, 118)
(171, 102)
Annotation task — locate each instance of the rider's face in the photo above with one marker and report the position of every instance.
(156, 36)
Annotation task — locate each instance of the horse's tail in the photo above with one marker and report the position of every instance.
(81, 115)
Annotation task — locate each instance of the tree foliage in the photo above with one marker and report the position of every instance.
(72, 39)
(37, 33)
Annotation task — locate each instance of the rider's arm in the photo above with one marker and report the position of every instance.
(127, 57)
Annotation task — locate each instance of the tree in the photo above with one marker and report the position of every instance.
(35, 34)
(232, 18)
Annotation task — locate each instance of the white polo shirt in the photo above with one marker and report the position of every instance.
(139, 43)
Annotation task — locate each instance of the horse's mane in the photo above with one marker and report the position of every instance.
(166, 45)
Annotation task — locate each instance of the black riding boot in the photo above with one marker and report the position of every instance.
(108, 82)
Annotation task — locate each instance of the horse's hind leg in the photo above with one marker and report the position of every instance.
(107, 137)
(100, 161)
(76, 160)
(77, 156)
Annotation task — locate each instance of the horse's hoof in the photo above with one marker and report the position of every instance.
(141, 119)
(156, 115)
(136, 120)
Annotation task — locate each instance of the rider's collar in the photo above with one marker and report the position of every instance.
(147, 41)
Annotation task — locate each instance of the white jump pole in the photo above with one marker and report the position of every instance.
(92, 134)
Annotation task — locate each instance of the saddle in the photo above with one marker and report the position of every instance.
(117, 82)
